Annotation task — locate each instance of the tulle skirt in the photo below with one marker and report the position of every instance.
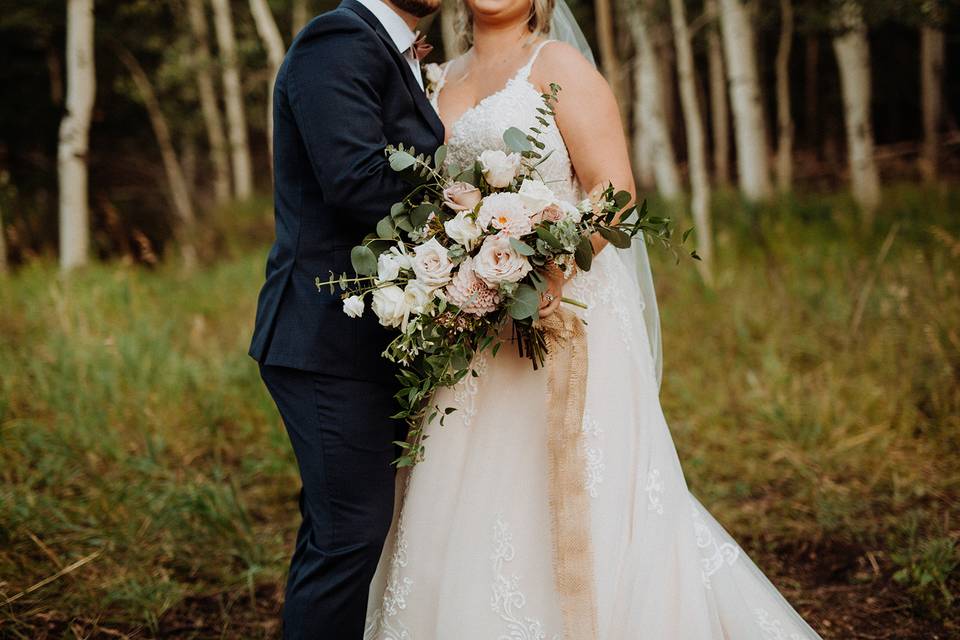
(469, 556)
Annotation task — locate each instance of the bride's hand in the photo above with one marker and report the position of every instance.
(551, 299)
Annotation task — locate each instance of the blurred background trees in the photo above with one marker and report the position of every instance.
(822, 94)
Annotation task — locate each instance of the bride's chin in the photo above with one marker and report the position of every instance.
(499, 12)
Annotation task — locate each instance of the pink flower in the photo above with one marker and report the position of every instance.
(470, 293)
(550, 213)
(506, 212)
(498, 262)
(461, 196)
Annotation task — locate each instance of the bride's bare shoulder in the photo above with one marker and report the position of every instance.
(561, 63)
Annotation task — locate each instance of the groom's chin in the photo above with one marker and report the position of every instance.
(418, 8)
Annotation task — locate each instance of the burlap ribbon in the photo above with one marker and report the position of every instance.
(569, 502)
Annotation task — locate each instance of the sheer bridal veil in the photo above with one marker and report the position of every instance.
(564, 27)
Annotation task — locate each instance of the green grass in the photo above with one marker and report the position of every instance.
(135, 433)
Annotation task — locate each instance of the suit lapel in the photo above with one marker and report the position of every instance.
(419, 97)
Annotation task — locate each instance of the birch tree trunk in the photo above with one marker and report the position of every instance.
(301, 16)
(753, 163)
(784, 117)
(176, 182)
(607, 41)
(853, 58)
(213, 121)
(696, 140)
(657, 144)
(931, 93)
(642, 158)
(273, 43)
(811, 95)
(452, 42)
(3, 246)
(74, 136)
(233, 97)
(719, 112)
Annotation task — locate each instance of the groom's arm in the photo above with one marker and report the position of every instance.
(334, 79)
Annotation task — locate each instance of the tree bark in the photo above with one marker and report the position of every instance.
(452, 42)
(233, 97)
(853, 58)
(75, 135)
(811, 107)
(696, 140)
(610, 62)
(719, 112)
(273, 43)
(657, 146)
(931, 92)
(213, 121)
(784, 117)
(753, 162)
(3, 246)
(300, 17)
(176, 182)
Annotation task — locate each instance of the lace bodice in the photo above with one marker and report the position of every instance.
(515, 105)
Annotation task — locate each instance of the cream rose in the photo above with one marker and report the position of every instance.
(498, 262)
(388, 267)
(431, 263)
(353, 306)
(536, 195)
(505, 211)
(417, 296)
(470, 293)
(461, 196)
(499, 168)
(463, 229)
(390, 305)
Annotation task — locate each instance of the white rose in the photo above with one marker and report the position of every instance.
(433, 72)
(431, 263)
(417, 296)
(390, 305)
(498, 262)
(499, 168)
(463, 229)
(536, 195)
(388, 267)
(571, 212)
(505, 211)
(353, 306)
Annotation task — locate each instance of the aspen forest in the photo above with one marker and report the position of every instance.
(811, 373)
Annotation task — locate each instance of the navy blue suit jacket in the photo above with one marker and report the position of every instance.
(343, 93)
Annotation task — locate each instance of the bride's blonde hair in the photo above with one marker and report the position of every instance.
(541, 11)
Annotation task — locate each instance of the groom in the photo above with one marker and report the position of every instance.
(349, 85)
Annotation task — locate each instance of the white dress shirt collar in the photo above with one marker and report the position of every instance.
(395, 26)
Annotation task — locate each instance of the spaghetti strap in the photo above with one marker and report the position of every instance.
(524, 72)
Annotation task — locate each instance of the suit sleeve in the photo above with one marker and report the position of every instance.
(334, 80)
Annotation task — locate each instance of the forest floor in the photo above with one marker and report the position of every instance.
(147, 488)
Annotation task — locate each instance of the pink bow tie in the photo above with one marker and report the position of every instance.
(420, 47)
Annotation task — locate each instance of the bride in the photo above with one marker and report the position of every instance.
(471, 552)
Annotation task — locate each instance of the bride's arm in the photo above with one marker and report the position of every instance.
(588, 118)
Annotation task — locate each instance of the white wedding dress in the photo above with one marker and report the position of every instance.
(469, 556)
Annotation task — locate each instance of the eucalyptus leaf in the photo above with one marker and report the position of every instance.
(386, 229)
(547, 236)
(401, 160)
(363, 260)
(439, 156)
(517, 140)
(420, 214)
(521, 247)
(397, 210)
(525, 303)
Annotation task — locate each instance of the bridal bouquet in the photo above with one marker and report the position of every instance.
(464, 254)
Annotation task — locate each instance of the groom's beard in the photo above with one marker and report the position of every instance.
(418, 8)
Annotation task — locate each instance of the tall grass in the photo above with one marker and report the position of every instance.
(814, 395)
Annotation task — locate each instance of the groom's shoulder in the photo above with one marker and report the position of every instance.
(340, 33)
